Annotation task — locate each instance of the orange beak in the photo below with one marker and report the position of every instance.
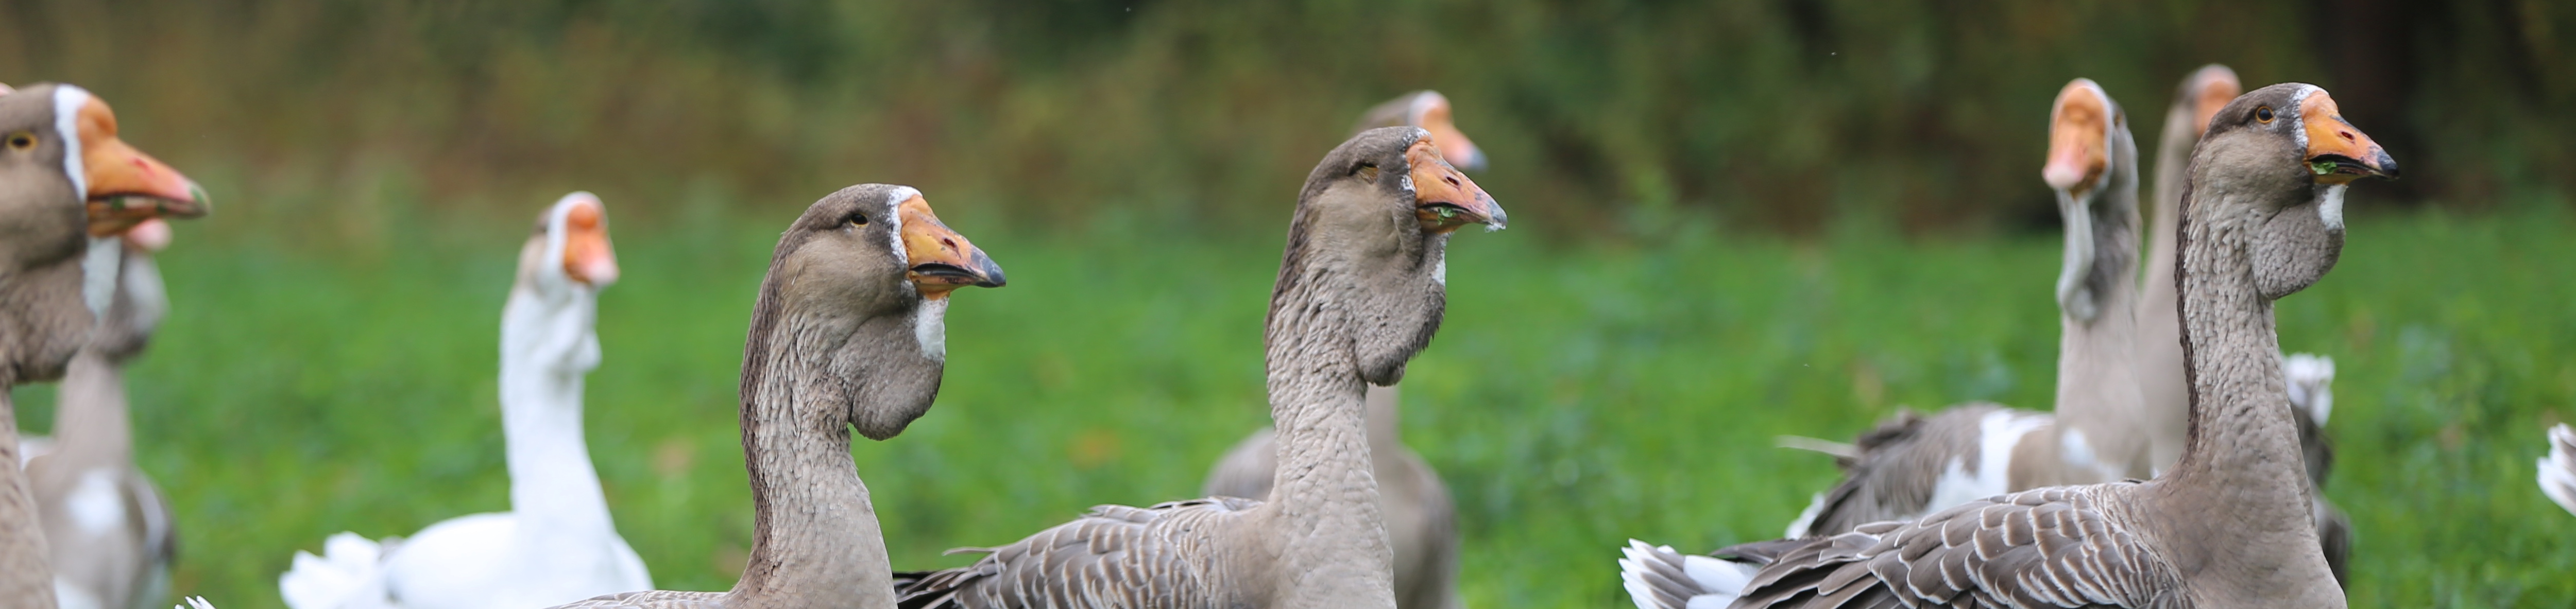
(127, 186)
(2078, 138)
(587, 255)
(2337, 152)
(1453, 143)
(942, 260)
(1443, 198)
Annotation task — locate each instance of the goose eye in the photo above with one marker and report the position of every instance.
(856, 219)
(22, 141)
(1367, 173)
(2263, 113)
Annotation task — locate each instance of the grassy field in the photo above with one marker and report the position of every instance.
(1577, 395)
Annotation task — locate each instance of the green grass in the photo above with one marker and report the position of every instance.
(1576, 396)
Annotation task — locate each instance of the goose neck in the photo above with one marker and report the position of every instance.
(547, 347)
(816, 540)
(25, 573)
(2241, 472)
(1324, 494)
(91, 420)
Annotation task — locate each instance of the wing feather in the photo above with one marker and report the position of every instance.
(2051, 547)
(1115, 556)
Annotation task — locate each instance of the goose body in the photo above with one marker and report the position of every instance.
(66, 182)
(557, 544)
(848, 333)
(1359, 293)
(2165, 392)
(109, 529)
(1914, 465)
(2229, 526)
(1421, 519)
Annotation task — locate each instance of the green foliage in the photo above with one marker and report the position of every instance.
(1576, 397)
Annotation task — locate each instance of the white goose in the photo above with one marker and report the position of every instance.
(557, 544)
(2558, 470)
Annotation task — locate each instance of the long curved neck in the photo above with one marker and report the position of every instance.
(1324, 494)
(91, 425)
(547, 345)
(1385, 422)
(2097, 389)
(2159, 364)
(2241, 475)
(816, 541)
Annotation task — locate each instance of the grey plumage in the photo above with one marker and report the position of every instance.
(836, 344)
(110, 531)
(1421, 520)
(2232, 525)
(1357, 295)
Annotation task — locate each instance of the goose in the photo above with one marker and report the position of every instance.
(2159, 356)
(66, 183)
(1914, 465)
(557, 543)
(2558, 470)
(2229, 525)
(1430, 111)
(1421, 520)
(849, 332)
(108, 527)
(1360, 291)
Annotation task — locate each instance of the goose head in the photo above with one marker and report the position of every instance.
(2288, 148)
(2092, 164)
(2204, 92)
(1372, 227)
(65, 175)
(1429, 110)
(554, 307)
(864, 268)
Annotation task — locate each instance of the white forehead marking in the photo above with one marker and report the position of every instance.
(1422, 105)
(2298, 117)
(930, 329)
(555, 232)
(894, 220)
(67, 104)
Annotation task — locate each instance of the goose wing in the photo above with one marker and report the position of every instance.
(2049, 547)
(651, 599)
(1115, 556)
(1911, 465)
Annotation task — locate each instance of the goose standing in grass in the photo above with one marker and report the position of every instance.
(1916, 465)
(1421, 519)
(66, 183)
(1360, 291)
(2159, 357)
(849, 332)
(2229, 526)
(107, 525)
(557, 543)
(2558, 470)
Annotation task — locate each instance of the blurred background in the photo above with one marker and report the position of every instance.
(1733, 219)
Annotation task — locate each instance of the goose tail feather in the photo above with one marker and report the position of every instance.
(1659, 578)
(2558, 471)
(349, 574)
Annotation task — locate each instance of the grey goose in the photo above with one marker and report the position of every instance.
(1915, 465)
(1421, 519)
(67, 183)
(849, 332)
(1359, 292)
(2230, 525)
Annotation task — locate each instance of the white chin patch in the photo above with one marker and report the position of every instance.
(1440, 271)
(2330, 208)
(99, 272)
(930, 328)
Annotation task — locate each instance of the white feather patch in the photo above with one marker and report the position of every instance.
(930, 328)
(99, 267)
(894, 222)
(2330, 207)
(1996, 434)
(94, 504)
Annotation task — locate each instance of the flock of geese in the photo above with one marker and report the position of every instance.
(2179, 467)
